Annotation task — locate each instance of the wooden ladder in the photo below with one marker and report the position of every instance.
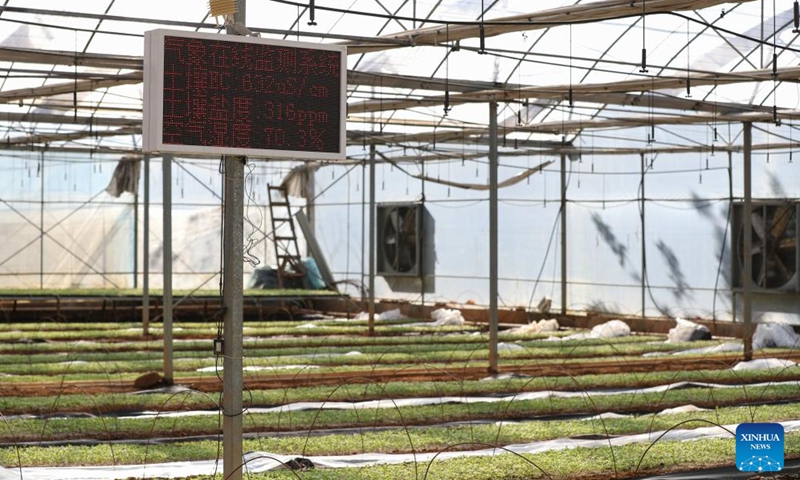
(287, 253)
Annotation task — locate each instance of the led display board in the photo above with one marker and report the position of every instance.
(234, 95)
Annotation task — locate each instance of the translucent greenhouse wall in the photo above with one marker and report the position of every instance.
(88, 239)
(687, 237)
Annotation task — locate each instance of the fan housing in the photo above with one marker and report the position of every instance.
(399, 239)
(774, 249)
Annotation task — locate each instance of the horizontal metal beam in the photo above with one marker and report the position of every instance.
(446, 133)
(56, 119)
(68, 136)
(457, 154)
(123, 62)
(11, 96)
(583, 91)
(83, 59)
(577, 13)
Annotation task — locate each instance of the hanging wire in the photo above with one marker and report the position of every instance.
(688, 61)
(482, 49)
(796, 17)
(312, 14)
(571, 102)
(446, 72)
(774, 64)
(250, 240)
(644, 45)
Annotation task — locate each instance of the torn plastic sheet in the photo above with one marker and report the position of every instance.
(419, 402)
(256, 462)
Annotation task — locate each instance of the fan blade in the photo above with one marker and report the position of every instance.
(780, 221)
(756, 249)
(394, 219)
(787, 244)
(786, 274)
(759, 225)
(409, 222)
(761, 279)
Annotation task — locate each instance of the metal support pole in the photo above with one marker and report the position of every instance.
(747, 296)
(643, 239)
(166, 165)
(563, 234)
(136, 240)
(422, 239)
(372, 234)
(310, 207)
(41, 224)
(146, 250)
(493, 319)
(232, 281)
(730, 217)
(232, 317)
(364, 273)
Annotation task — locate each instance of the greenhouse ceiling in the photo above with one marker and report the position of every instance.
(665, 72)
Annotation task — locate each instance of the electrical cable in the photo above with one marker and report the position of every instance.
(250, 242)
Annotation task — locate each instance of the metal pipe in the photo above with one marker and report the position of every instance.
(232, 317)
(232, 302)
(372, 234)
(643, 239)
(563, 234)
(41, 224)
(166, 165)
(146, 250)
(493, 319)
(136, 239)
(730, 218)
(747, 294)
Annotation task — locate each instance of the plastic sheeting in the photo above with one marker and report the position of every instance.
(446, 317)
(686, 331)
(535, 327)
(257, 368)
(610, 329)
(763, 364)
(419, 402)
(775, 335)
(255, 462)
(383, 316)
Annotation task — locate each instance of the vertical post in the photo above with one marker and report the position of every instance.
(136, 238)
(146, 250)
(232, 281)
(747, 297)
(372, 239)
(493, 319)
(166, 166)
(41, 224)
(643, 239)
(422, 240)
(364, 272)
(232, 317)
(730, 218)
(563, 233)
(310, 207)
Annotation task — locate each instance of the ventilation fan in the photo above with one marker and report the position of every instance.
(399, 239)
(774, 249)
